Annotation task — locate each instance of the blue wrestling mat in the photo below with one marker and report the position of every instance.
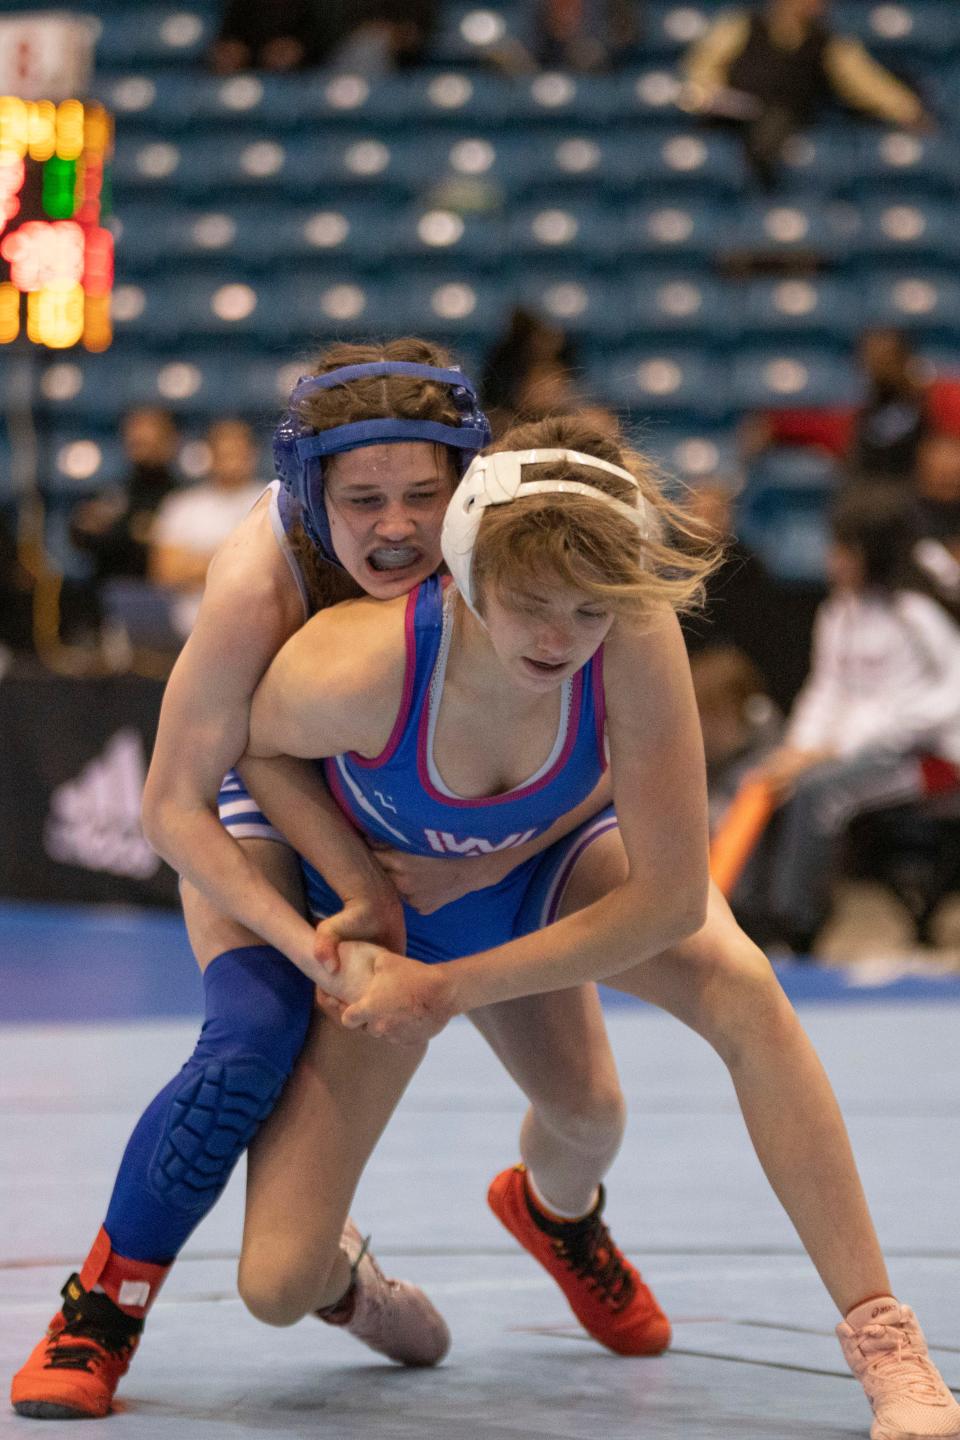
(89, 963)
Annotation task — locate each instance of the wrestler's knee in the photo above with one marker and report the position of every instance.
(740, 1001)
(592, 1115)
(279, 1287)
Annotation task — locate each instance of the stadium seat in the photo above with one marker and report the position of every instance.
(183, 100)
(684, 230)
(789, 228)
(913, 228)
(924, 301)
(579, 230)
(679, 303)
(784, 511)
(886, 158)
(791, 376)
(824, 310)
(473, 32)
(143, 35)
(582, 305)
(670, 26)
(903, 31)
(668, 162)
(660, 383)
(821, 161)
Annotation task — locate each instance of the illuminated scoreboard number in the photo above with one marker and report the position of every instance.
(56, 258)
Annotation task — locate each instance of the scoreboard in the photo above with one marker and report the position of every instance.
(56, 256)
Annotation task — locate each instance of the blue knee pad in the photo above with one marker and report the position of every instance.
(186, 1143)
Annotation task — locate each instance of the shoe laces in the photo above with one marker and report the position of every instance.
(591, 1254)
(103, 1344)
(95, 1320)
(896, 1355)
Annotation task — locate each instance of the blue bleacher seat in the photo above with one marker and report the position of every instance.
(925, 301)
(791, 225)
(471, 32)
(887, 158)
(578, 229)
(784, 512)
(679, 303)
(915, 228)
(82, 459)
(174, 101)
(899, 32)
(791, 376)
(823, 160)
(688, 161)
(143, 35)
(582, 305)
(689, 453)
(824, 310)
(686, 229)
(670, 26)
(660, 382)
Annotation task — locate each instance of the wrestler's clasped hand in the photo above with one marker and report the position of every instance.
(388, 996)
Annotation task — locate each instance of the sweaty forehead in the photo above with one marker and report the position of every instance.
(405, 463)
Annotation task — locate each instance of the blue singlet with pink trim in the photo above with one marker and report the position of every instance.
(399, 798)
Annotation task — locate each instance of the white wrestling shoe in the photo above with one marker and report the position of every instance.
(884, 1347)
(393, 1317)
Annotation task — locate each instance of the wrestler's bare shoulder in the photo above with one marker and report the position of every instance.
(363, 639)
(251, 574)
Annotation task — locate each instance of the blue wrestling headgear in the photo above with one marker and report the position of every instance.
(298, 450)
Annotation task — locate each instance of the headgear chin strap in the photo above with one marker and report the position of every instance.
(497, 479)
(298, 450)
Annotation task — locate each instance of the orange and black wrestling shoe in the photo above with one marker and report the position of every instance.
(606, 1292)
(73, 1373)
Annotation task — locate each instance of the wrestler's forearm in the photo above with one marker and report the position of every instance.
(603, 939)
(203, 852)
(292, 794)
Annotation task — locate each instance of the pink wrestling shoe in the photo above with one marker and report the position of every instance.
(391, 1316)
(884, 1347)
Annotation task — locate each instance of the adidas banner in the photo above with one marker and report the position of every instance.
(73, 760)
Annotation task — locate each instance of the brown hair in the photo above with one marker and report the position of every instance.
(588, 545)
(379, 397)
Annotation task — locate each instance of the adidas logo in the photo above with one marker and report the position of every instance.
(94, 820)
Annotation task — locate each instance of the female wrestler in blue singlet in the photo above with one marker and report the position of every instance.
(469, 742)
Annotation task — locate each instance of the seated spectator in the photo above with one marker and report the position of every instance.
(584, 35)
(877, 723)
(378, 36)
(113, 528)
(880, 439)
(739, 721)
(285, 35)
(741, 597)
(192, 523)
(282, 35)
(530, 373)
(16, 589)
(772, 71)
(937, 489)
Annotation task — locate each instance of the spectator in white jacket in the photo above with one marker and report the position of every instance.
(876, 724)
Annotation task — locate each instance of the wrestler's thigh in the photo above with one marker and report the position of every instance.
(691, 978)
(555, 1045)
(304, 1163)
(680, 979)
(210, 931)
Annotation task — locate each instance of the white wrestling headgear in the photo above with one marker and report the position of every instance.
(496, 479)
